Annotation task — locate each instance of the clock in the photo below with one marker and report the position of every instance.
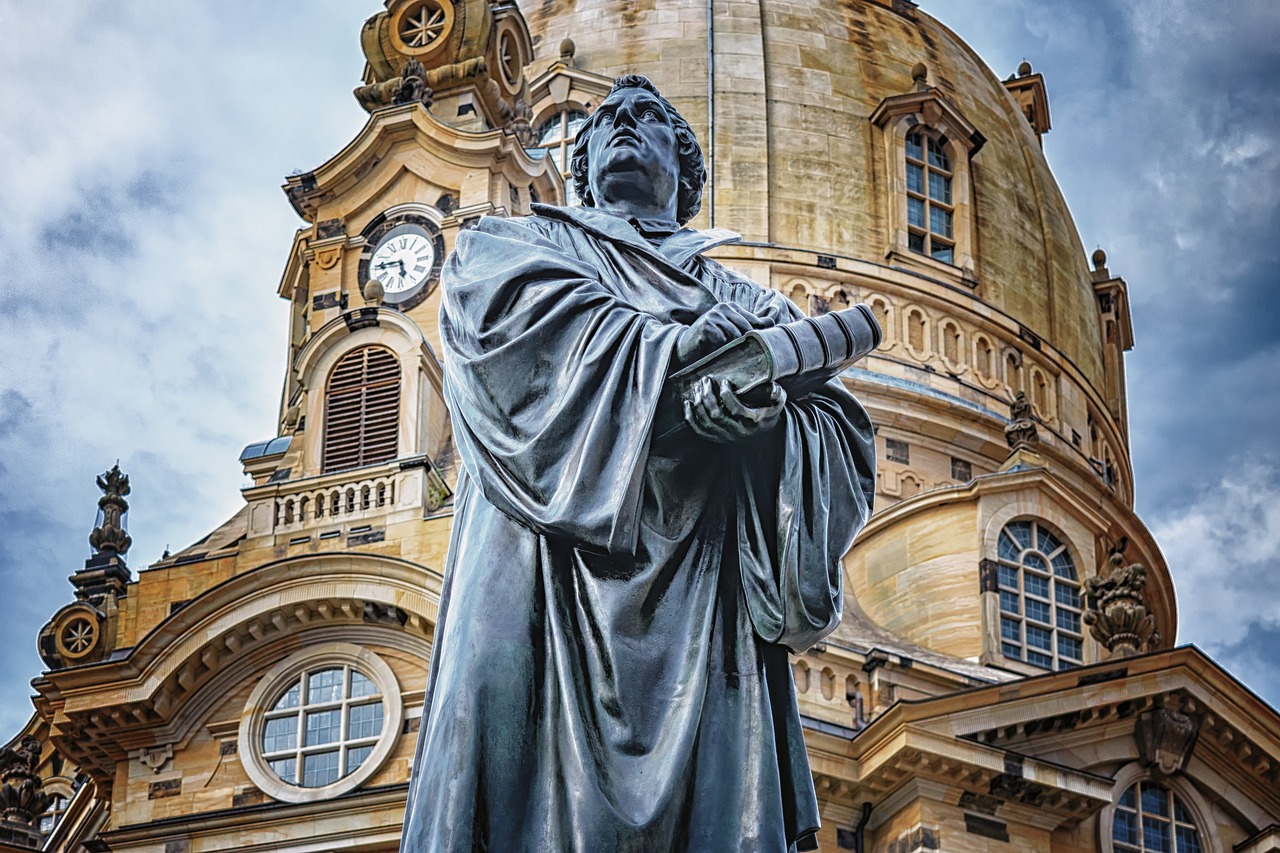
(404, 253)
(403, 260)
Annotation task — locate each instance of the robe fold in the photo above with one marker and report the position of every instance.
(610, 667)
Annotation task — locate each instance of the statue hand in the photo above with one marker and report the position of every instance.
(725, 322)
(717, 415)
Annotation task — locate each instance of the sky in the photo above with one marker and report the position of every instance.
(143, 233)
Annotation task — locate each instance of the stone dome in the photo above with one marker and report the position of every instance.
(798, 161)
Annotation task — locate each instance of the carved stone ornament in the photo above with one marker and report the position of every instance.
(1117, 616)
(413, 85)
(75, 635)
(109, 536)
(21, 798)
(1021, 431)
(153, 758)
(1165, 740)
(415, 54)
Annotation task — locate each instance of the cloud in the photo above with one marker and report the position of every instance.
(1226, 545)
(142, 235)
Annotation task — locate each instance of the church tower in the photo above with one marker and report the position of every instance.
(1005, 677)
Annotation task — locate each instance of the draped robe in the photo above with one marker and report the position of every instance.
(610, 666)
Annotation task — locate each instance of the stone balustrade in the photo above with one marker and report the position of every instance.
(344, 498)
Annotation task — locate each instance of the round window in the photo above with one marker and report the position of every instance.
(320, 723)
(323, 726)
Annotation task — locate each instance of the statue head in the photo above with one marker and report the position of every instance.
(679, 166)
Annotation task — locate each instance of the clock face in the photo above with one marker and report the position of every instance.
(403, 259)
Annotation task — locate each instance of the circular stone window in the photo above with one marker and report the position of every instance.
(421, 27)
(320, 723)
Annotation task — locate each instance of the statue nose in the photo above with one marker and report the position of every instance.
(624, 115)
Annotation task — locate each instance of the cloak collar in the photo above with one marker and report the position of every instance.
(676, 249)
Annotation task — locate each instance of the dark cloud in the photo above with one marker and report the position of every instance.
(15, 410)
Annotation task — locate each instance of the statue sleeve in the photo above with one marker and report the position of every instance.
(552, 382)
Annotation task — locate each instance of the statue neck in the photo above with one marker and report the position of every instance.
(639, 208)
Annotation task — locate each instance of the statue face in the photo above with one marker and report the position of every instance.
(633, 154)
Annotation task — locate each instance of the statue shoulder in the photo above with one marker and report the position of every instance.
(490, 233)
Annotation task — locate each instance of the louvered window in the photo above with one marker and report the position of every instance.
(361, 409)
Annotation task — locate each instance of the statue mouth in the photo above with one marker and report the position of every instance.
(625, 135)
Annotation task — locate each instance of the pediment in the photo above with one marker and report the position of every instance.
(159, 690)
(930, 107)
(1172, 712)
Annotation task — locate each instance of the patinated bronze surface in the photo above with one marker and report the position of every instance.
(610, 666)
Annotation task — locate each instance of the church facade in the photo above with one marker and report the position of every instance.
(1005, 677)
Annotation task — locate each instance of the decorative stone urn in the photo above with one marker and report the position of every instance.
(1117, 615)
(21, 798)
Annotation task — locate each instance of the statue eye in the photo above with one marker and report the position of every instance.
(652, 114)
(605, 118)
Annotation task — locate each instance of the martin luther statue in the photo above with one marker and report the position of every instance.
(610, 665)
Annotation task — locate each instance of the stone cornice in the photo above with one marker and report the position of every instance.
(412, 124)
(1239, 733)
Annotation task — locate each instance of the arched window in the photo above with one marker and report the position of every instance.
(1150, 817)
(556, 136)
(361, 409)
(930, 208)
(1039, 597)
(53, 814)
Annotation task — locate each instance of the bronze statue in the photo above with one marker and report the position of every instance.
(610, 666)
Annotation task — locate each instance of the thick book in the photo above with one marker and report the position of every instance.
(799, 356)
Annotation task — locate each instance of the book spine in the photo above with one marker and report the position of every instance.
(824, 343)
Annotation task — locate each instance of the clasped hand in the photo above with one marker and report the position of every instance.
(716, 413)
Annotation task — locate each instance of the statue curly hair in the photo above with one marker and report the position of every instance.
(693, 172)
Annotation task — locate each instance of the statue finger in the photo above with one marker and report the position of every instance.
(707, 405)
(700, 426)
(735, 407)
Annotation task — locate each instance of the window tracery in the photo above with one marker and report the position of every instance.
(1039, 590)
(53, 814)
(320, 723)
(323, 726)
(1150, 818)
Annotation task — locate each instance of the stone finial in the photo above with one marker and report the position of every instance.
(292, 417)
(1021, 432)
(21, 798)
(374, 293)
(920, 76)
(109, 537)
(1117, 616)
(1165, 740)
(567, 50)
(1024, 69)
